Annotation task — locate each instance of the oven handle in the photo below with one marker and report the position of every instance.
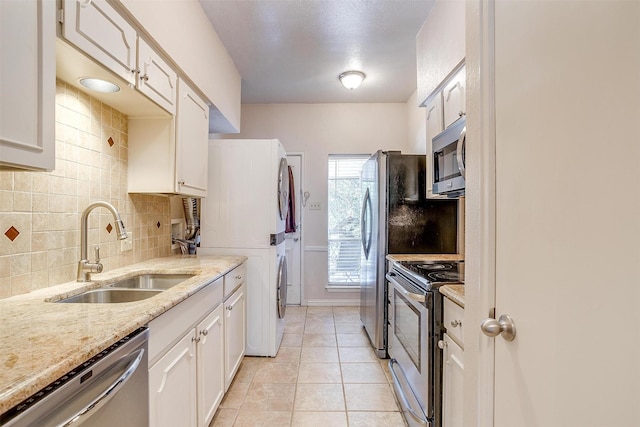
(406, 293)
(401, 396)
(108, 393)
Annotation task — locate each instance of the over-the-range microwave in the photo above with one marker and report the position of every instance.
(448, 159)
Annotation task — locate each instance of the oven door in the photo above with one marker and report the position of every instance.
(411, 363)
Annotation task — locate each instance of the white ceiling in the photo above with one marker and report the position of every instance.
(294, 50)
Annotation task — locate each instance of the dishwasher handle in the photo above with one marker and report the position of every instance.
(103, 397)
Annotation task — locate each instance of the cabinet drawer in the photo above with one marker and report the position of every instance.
(234, 278)
(453, 321)
(167, 328)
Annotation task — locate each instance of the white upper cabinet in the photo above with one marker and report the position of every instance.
(99, 30)
(453, 95)
(27, 86)
(103, 34)
(192, 133)
(170, 155)
(440, 47)
(156, 78)
(198, 51)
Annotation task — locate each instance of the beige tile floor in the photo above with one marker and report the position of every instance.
(325, 374)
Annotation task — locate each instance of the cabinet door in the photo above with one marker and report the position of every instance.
(172, 386)
(435, 125)
(192, 135)
(235, 327)
(210, 354)
(102, 33)
(454, 98)
(157, 79)
(452, 376)
(27, 86)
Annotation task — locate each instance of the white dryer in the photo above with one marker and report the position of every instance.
(244, 214)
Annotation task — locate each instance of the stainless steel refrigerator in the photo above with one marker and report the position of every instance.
(397, 219)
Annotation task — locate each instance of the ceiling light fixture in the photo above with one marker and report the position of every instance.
(99, 85)
(351, 79)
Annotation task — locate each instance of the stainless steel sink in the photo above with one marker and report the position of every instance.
(151, 281)
(131, 289)
(111, 295)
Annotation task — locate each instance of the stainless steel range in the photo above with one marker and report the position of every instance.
(415, 326)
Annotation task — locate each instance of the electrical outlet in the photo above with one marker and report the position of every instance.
(315, 206)
(127, 244)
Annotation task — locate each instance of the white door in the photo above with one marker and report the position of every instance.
(566, 218)
(294, 239)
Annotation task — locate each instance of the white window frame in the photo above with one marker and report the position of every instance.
(351, 280)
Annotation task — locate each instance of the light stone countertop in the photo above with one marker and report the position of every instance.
(454, 292)
(40, 341)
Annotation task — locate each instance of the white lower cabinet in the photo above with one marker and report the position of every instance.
(195, 350)
(453, 373)
(172, 386)
(210, 365)
(235, 326)
(452, 364)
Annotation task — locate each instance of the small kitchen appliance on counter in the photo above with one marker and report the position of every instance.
(415, 326)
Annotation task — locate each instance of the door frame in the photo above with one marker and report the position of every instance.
(299, 198)
(480, 233)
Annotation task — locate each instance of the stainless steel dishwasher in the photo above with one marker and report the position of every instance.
(110, 389)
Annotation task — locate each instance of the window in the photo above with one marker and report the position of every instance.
(344, 205)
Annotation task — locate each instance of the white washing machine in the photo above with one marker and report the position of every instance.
(244, 214)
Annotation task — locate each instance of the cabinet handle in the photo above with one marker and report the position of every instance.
(442, 345)
(145, 78)
(229, 307)
(181, 182)
(195, 339)
(238, 277)
(135, 71)
(204, 332)
(460, 113)
(456, 323)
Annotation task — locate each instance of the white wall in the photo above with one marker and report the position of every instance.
(318, 130)
(417, 124)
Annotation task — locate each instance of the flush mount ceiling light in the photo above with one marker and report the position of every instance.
(351, 79)
(99, 85)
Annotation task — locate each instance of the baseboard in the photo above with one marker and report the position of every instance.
(333, 303)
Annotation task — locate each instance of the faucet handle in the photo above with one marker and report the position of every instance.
(97, 250)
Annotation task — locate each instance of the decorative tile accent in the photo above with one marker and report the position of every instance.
(158, 224)
(12, 233)
(109, 228)
(111, 142)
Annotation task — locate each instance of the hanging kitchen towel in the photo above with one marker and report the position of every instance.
(290, 226)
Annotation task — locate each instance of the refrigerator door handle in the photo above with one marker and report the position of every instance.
(366, 214)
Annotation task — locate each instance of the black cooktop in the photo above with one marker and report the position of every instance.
(436, 271)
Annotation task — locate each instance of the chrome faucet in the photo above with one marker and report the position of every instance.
(85, 267)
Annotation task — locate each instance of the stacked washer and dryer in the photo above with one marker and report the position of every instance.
(244, 213)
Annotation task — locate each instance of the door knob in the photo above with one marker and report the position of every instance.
(504, 325)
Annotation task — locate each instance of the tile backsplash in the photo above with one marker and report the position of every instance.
(40, 211)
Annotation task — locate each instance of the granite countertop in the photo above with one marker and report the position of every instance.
(454, 292)
(40, 341)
